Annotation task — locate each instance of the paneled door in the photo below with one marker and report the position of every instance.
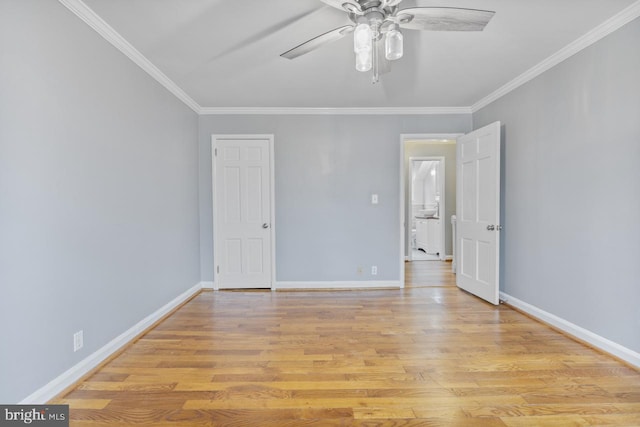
(478, 212)
(243, 211)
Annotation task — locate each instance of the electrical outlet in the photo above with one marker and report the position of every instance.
(359, 269)
(78, 341)
(374, 199)
(374, 270)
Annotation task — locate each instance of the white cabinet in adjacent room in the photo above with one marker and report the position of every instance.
(428, 235)
(433, 236)
(421, 234)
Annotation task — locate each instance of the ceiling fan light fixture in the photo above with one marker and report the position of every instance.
(373, 20)
(362, 38)
(364, 61)
(393, 43)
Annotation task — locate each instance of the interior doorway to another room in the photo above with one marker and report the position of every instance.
(426, 208)
(427, 156)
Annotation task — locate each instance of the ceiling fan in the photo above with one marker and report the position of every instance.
(371, 20)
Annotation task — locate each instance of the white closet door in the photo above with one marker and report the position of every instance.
(242, 203)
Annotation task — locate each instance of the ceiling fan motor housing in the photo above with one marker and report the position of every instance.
(367, 4)
(375, 13)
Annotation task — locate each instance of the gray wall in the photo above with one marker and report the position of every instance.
(448, 151)
(571, 190)
(98, 194)
(326, 168)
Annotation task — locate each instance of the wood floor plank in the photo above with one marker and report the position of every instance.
(383, 413)
(428, 355)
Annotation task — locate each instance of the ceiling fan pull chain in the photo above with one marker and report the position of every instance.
(376, 70)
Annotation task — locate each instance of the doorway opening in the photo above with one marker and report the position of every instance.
(427, 197)
(425, 206)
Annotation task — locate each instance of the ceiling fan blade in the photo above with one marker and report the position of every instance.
(348, 5)
(443, 18)
(261, 35)
(316, 42)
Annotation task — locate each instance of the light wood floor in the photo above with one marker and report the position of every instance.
(423, 356)
(421, 274)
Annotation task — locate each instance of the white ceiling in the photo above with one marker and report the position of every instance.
(225, 53)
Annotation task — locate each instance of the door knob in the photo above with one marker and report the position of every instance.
(265, 225)
(491, 227)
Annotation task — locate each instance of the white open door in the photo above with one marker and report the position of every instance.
(242, 203)
(478, 212)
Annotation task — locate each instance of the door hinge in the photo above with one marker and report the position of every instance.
(218, 269)
(215, 152)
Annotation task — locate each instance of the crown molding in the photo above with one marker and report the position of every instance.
(336, 111)
(601, 31)
(84, 12)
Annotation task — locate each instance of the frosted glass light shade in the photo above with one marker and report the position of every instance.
(362, 38)
(364, 61)
(393, 44)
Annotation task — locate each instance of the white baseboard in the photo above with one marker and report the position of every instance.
(576, 331)
(68, 378)
(207, 285)
(339, 284)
